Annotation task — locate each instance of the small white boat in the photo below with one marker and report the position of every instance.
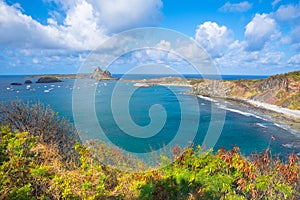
(142, 85)
(46, 91)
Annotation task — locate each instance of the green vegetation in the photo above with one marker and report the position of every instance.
(295, 75)
(30, 168)
(194, 81)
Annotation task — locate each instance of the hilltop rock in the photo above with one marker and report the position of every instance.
(48, 79)
(99, 74)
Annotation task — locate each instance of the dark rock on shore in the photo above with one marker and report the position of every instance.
(15, 83)
(28, 82)
(48, 79)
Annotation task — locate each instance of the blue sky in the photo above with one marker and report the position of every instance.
(242, 37)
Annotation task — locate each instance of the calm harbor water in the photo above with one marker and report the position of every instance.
(250, 131)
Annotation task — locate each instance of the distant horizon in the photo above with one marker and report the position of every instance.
(143, 74)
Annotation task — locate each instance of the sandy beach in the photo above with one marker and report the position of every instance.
(278, 109)
(277, 114)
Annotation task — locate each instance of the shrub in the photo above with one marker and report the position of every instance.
(224, 175)
(43, 122)
(32, 170)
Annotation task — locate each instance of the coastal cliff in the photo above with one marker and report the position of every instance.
(281, 90)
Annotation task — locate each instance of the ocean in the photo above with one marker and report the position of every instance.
(156, 116)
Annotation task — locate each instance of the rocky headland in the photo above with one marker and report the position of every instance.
(277, 96)
(281, 90)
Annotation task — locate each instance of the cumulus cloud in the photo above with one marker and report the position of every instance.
(163, 44)
(295, 38)
(17, 29)
(238, 60)
(288, 12)
(288, 17)
(214, 38)
(86, 25)
(295, 59)
(271, 58)
(236, 7)
(259, 31)
(118, 15)
(275, 2)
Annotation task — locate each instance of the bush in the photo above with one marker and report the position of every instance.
(32, 170)
(43, 122)
(224, 175)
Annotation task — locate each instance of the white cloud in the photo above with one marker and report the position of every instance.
(271, 58)
(295, 38)
(275, 2)
(237, 7)
(86, 25)
(118, 15)
(35, 61)
(239, 61)
(214, 38)
(163, 44)
(295, 59)
(259, 31)
(288, 12)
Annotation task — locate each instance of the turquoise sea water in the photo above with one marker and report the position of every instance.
(250, 131)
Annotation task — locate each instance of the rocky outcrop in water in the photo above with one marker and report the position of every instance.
(16, 83)
(99, 74)
(282, 90)
(48, 79)
(28, 82)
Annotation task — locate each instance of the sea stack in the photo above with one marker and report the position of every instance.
(99, 74)
(28, 82)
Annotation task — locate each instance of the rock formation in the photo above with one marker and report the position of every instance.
(28, 82)
(48, 79)
(282, 90)
(99, 74)
(16, 83)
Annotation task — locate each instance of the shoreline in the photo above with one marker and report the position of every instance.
(278, 115)
(287, 113)
(293, 114)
